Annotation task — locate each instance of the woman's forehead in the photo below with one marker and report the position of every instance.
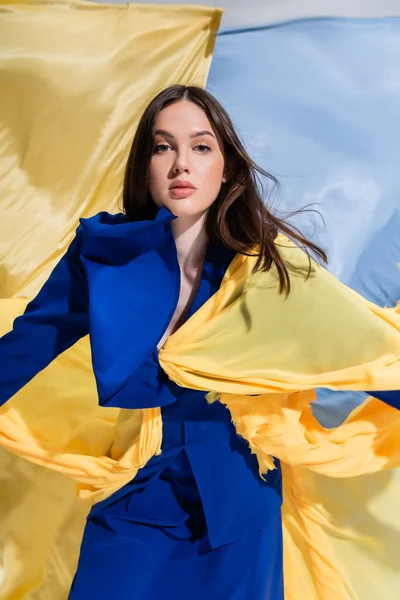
(182, 115)
(185, 119)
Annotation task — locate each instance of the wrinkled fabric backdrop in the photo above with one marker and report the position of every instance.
(316, 101)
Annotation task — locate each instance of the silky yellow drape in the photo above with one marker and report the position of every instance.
(250, 339)
(74, 79)
(341, 536)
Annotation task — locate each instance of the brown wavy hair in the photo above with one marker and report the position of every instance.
(238, 218)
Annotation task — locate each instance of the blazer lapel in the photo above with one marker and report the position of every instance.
(133, 279)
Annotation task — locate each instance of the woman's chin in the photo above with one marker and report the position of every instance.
(181, 208)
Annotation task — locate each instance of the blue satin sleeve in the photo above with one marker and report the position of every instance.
(54, 320)
(392, 397)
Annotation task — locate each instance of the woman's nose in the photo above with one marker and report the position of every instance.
(181, 166)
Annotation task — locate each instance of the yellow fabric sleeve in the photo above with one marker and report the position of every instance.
(250, 339)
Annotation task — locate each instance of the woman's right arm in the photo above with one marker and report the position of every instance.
(52, 322)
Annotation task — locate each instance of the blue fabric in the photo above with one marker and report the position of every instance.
(154, 544)
(317, 105)
(392, 398)
(104, 278)
(133, 274)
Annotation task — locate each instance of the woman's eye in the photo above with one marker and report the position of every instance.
(162, 148)
(203, 148)
(159, 148)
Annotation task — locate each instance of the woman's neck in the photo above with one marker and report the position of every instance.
(191, 241)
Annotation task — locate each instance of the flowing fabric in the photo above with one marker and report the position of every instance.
(306, 345)
(74, 78)
(270, 407)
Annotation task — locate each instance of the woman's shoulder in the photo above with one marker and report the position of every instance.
(104, 218)
(104, 222)
(103, 234)
(113, 237)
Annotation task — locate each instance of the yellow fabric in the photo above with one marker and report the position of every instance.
(74, 79)
(247, 338)
(341, 536)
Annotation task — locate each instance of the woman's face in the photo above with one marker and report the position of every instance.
(187, 165)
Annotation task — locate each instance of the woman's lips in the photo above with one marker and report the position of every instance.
(182, 192)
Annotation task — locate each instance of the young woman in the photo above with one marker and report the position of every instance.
(197, 520)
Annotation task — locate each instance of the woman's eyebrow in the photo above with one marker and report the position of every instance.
(192, 135)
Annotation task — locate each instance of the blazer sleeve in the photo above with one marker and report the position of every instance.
(52, 322)
(392, 398)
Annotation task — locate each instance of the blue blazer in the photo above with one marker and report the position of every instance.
(118, 281)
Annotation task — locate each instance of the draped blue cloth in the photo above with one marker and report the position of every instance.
(317, 104)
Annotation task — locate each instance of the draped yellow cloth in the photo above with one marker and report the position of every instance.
(74, 80)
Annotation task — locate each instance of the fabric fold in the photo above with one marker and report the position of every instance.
(250, 339)
(113, 239)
